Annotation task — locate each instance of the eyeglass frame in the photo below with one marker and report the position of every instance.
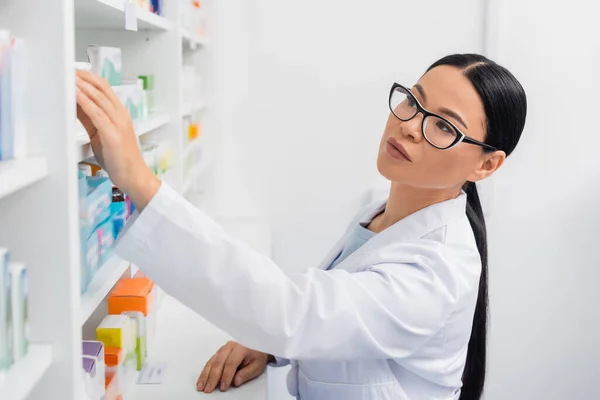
(461, 137)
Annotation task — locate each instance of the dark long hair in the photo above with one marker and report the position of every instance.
(505, 106)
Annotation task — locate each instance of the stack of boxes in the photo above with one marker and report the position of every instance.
(136, 298)
(94, 368)
(127, 331)
(103, 211)
(135, 94)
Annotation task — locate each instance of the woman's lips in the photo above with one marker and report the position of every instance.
(396, 150)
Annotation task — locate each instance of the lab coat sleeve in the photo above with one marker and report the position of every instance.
(388, 311)
(280, 362)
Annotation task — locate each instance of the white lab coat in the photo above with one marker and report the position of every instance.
(392, 321)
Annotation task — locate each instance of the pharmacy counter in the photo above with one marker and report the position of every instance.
(184, 342)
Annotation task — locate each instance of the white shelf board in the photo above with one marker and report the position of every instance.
(20, 173)
(191, 107)
(193, 174)
(22, 377)
(142, 127)
(102, 283)
(185, 342)
(191, 40)
(110, 14)
(192, 146)
(151, 123)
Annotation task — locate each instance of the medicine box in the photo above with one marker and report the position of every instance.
(115, 331)
(106, 62)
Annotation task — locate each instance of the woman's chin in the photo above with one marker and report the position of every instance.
(390, 170)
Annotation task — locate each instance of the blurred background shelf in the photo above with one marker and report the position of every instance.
(191, 40)
(22, 377)
(191, 107)
(20, 173)
(110, 14)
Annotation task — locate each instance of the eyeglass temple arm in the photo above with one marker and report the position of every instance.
(478, 143)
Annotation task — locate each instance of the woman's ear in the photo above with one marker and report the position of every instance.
(490, 162)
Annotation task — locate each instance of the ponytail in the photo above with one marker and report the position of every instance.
(474, 373)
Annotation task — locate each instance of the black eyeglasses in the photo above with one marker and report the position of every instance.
(438, 131)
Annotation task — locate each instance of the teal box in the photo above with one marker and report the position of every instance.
(106, 62)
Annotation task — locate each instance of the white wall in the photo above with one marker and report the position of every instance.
(320, 72)
(544, 256)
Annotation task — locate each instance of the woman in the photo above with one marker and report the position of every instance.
(397, 310)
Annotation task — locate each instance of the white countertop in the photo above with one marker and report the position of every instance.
(185, 341)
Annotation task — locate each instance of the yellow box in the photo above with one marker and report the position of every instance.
(115, 331)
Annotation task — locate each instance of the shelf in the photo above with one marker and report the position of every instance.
(191, 107)
(22, 377)
(192, 146)
(192, 175)
(152, 123)
(185, 342)
(101, 284)
(110, 14)
(192, 40)
(142, 127)
(20, 173)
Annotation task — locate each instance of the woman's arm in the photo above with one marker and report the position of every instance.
(388, 311)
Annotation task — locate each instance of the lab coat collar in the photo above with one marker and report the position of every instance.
(413, 227)
(422, 222)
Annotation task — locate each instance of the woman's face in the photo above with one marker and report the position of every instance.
(444, 91)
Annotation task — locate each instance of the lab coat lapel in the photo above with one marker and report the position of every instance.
(339, 246)
(413, 227)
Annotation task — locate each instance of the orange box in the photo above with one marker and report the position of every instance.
(112, 356)
(131, 295)
(109, 376)
(193, 131)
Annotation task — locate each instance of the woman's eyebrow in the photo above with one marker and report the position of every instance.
(444, 110)
(421, 91)
(454, 115)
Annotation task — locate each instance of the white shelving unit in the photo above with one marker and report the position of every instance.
(103, 282)
(110, 14)
(39, 224)
(191, 107)
(26, 373)
(191, 40)
(18, 174)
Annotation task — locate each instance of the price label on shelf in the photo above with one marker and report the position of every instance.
(130, 16)
(152, 374)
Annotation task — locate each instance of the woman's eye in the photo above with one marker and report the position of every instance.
(444, 127)
(411, 101)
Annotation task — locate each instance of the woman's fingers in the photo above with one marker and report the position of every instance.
(101, 85)
(216, 370)
(249, 372)
(99, 98)
(235, 359)
(86, 121)
(201, 383)
(96, 115)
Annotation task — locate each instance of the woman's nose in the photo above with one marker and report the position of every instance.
(413, 128)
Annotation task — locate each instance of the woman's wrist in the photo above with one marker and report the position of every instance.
(142, 189)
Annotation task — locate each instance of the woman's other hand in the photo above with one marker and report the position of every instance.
(113, 139)
(232, 364)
